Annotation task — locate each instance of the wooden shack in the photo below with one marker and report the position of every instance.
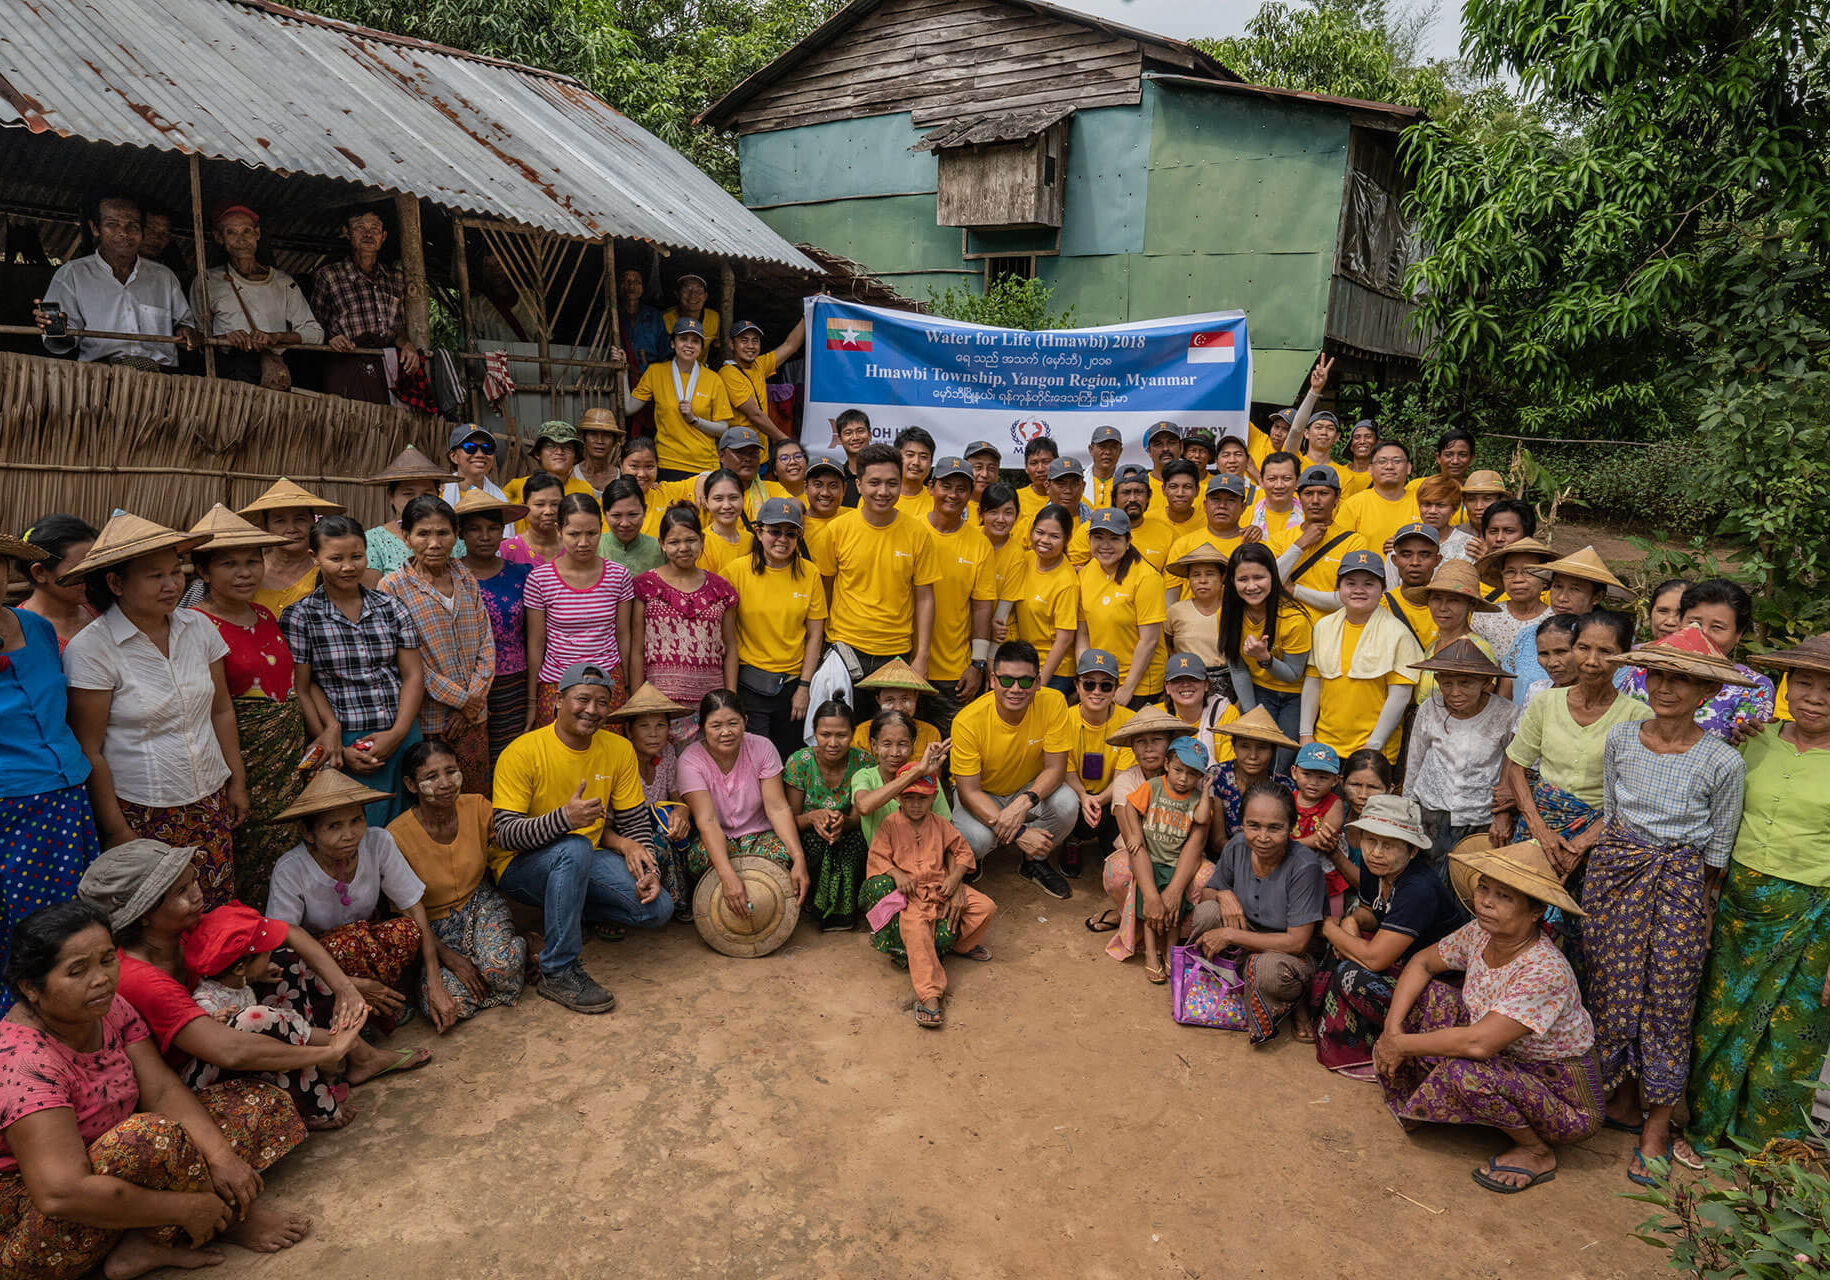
(949, 142)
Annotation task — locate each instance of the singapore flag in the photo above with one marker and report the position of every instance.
(1211, 348)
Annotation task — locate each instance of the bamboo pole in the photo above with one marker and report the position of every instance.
(203, 283)
(616, 331)
(460, 267)
(413, 269)
(727, 296)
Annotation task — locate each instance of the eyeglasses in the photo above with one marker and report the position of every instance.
(1015, 682)
(1099, 686)
(478, 446)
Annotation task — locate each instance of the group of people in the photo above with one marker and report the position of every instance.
(1412, 779)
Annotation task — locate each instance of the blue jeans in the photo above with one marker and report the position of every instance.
(572, 881)
(1287, 709)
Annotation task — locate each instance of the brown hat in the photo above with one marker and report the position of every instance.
(599, 419)
(1152, 719)
(1811, 655)
(774, 909)
(895, 674)
(284, 495)
(330, 789)
(1489, 565)
(1258, 726)
(1685, 652)
(411, 464)
(1479, 482)
(1455, 578)
(648, 701)
(124, 537)
(474, 500)
(1462, 658)
(225, 529)
(1520, 866)
(1206, 553)
(20, 549)
(1587, 566)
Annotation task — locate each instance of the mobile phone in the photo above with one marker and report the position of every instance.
(59, 323)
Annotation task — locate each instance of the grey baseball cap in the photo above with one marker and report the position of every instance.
(949, 467)
(1184, 666)
(1106, 435)
(1321, 474)
(1062, 468)
(1096, 660)
(739, 438)
(1162, 428)
(1227, 483)
(976, 447)
(1417, 530)
(583, 673)
(780, 511)
(826, 460)
(1109, 520)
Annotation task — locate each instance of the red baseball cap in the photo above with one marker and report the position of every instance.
(228, 935)
(922, 786)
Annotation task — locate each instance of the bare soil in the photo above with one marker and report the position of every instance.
(785, 1117)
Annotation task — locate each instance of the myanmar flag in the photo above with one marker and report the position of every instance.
(848, 335)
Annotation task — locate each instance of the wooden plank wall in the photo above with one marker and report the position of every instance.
(939, 59)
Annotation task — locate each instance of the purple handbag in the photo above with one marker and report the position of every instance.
(1206, 993)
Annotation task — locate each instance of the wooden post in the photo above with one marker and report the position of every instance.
(616, 329)
(413, 268)
(727, 298)
(203, 284)
(460, 270)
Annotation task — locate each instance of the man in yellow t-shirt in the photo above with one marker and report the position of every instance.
(1317, 549)
(965, 594)
(1105, 448)
(746, 377)
(691, 408)
(1379, 512)
(739, 451)
(1149, 534)
(825, 495)
(1038, 456)
(984, 458)
(1225, 503)
(1162, 445)
(916, 447)
(1009, 762)
(573, 835)
(1181, 498)
(1415, 554)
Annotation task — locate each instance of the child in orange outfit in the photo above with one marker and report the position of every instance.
(929, 859)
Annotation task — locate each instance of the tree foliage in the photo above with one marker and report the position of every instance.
(1347, 48)
(1010, 303)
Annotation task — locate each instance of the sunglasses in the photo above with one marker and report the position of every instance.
(478, 446)
(1015, 682)
(1099, 686)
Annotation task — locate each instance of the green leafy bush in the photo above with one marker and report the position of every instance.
(1765, 1216)
(1010, 303)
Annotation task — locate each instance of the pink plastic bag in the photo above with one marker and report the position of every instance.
(885, 910)
(1206, 993)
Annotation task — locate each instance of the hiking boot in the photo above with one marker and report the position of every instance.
(576, 990)
(1047, 879)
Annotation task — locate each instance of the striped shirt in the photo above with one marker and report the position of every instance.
(580, 625)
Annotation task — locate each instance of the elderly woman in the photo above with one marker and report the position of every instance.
(501, 587)
(1724, 611)
(150, 704)
(105, 1157)
(259, 309)
(61, 542)
(289, 571)
(648, 719)
(47, 833)
(411, 475)
(1512, 1047)
(1763, 1014)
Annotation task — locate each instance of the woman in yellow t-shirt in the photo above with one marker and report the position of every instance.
(1265, 636)
(1122, 607)
(998, 516)
(1047, 596)
(727, 531)
(1093, 764)
(781, 623)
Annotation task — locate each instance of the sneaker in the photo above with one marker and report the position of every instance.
(576, 990)
(1047, 879)
(1070, 859)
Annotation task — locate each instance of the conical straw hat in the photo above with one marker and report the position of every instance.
(1685, 652)
(474, 500)
(1812, 655)
(1456, 578)
(1206, 553)
(284, 495)
(1257, 725)
(225, 529)
(411, 464)
(124, 537)
(1520, 866)
(1462, 658)
(1489, 565)
(1587, 565)
(20, 549)
(774, 909)
(330, 789)
(1151, 719)
(649, 701)
(895, 674)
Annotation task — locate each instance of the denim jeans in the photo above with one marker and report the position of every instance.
(572, 881)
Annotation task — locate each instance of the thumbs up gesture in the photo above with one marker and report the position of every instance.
(581, 812)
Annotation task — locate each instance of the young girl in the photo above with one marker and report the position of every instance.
(1122, 608)
(502, 587)
(1193, 622)
(685, 623)
(1453, 596)
(1256, 740)
(579, 609)
(1481, 490)
(1266, 637)
(647, 719)
(1320, 812)
(1163, 830)
(1147, 735)
(1364, 774)
(819, 784)
(537, 539)
(726, 534)
(1458, 747)
(1046, 595)
(65, 540)
(892, 744)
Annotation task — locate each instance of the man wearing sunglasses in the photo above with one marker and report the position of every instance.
(1010, 751)
(472, 451)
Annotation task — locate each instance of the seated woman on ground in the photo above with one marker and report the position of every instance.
(892, 743)
(818, 783)
(1512, 1047)
(896, 687)
(648, 719)
(105, 1157)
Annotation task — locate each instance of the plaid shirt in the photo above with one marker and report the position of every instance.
(369, 310)
(456, 644)
(355, 663)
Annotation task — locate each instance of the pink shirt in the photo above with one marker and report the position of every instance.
(516, 551)
(736, 796)
(580, 625)
(1536, 988)
(39, 1072)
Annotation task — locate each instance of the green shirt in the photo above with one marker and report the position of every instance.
(869, 780)
(638, 557)
(1785, 825)
(1567, 754)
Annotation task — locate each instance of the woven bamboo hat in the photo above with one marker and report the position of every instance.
(225, 529)
(895, 674)
(1462, 658)
(648, 701)
(1587, 565)
(1456, 578)
(1206, 553)
(1685, 652)
(1151, 719)
(1520, 866)
(124, 537)
(774, 909)
(284, 495)
(1256, 725)
(1812, 655)
(472, 501)
(20, 549)
(599, 419)
(1489, 565)
(330, 789)
(411, 464)
(1479, 482)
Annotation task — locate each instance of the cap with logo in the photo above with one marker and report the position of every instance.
(1189, 751)
(745, 326)
(780, 511)
(1107, 435)
(739, 438)
(1132, 471)
(1320, 757)
(583, 673)
(1227, 483)
(467, 431)
(1109, 520)
(1184, 666)
(1063, 468)
(1162, 428)
(1361, 562)
(685, 325)
(1417, 530)
(825, 460)
(1096, 661)
(977, 447)
(949, 467)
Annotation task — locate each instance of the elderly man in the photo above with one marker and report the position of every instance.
(985, 459)
(574, 834)
(258, 308)
(361, 303)
(115, 290)
(1009, 759)
(746, 374)
(1106, 446)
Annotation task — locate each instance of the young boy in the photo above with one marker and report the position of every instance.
(1163, 829)
(1458, 747)
(928, 859)
(896, 688)
(1320, 813)
(1358, 683)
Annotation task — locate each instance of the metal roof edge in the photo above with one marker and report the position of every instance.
(1295, 95)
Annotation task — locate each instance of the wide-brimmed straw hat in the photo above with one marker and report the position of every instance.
(1398, 817)
(649, 701)
(1257, 726)
(411, 464)
(774, 909)
(20, 549)
(225, 529)
(599, 419)
(1587, 566)
(1489, 565)
(1151, 719)
(284, 495)
(1520, 866)
(1456, 578)
(330, 789)
(128, 880)
(125, 537)
(895, 674)
(1479, 482)
(471, 501)
(1206, 553)
(1812, 655)
(1462, 658)
(1685, 652)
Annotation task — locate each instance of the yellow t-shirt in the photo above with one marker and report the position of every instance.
(708, 320)
(874, 574)
(1196, 523)
(1028, 503)
(1080, 545)
(1046, 602)
(964, 562)
(1115, 613)
(1227, 544)
(926, 735)
(1090, 740)
(537, 773)
(717, 553)
(1349, 709)
(1280, 528)
(655, 503)
(1782, 705)
(773, 610)
(1418, 615)
(1099, 490)
(748, 384)
(1376, 519)
(679, 446)
(1352, 481)
(1258, 445)
(692, 490)
(1294, 635)
(1321, 575)
(276, 601)
(1007, 564)
(1006, 758)
(915, 503)
(1152, 536)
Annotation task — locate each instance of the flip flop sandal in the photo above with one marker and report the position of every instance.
(1687, 1155)
(1486, 1179)
(408, 1060)
(1638, 1171)
(1621, 1126)
(929, 1016)
(978, 953)
(609, 932)
(1102, 923)
(1158, 974)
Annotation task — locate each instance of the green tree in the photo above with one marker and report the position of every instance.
(1010, 303)
(1346, 48)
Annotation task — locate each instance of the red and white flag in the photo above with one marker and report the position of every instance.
(1211, 348)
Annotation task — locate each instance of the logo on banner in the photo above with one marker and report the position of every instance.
(850, 335)
(1210, 348)
(1024, 430)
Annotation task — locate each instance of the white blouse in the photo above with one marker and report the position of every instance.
(301, 893)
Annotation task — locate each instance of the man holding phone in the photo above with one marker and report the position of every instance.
(115, 290)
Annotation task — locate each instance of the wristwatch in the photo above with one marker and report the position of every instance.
(1033, 798)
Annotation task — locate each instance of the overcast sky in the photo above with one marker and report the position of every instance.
(1185, 18)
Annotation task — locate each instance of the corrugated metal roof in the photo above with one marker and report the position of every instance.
(1361, 105)
(998, 126)
(277, 89)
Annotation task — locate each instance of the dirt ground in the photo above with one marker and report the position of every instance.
(785, 1117)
